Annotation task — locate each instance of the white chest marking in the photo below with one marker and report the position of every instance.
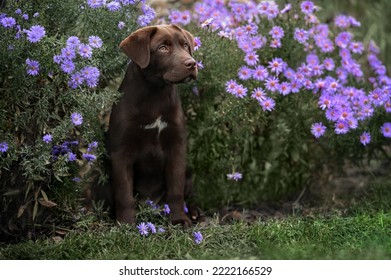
(158, 123)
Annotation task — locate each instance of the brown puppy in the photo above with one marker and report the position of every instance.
(147, 136)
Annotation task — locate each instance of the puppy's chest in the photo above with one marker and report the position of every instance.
(158, 125)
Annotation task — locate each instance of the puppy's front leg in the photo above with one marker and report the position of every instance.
(175, 180)
(122, 179)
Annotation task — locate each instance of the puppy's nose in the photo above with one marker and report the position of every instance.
(190, 63)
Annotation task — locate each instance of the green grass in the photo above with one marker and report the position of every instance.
(360, 237)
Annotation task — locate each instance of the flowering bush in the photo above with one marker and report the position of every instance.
(58, 59)
(297, 94)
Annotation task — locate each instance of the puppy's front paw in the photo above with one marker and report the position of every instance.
(181, 219)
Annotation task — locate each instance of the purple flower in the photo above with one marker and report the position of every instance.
(8, 22)
(151, 227)
(267, 104)
(47, 138)
(178, 17)
(3, 147)
(73, 42)
(386, 130)
(251, 58)
(258, 94)
(285, 88)
(342, 21)
(85, 50)
(76, 80)
(318, 129)
(329, 64)
(240, 91)
(161, 230)
(147, 17)
(260, 73)
(32, 67)
(286, 9)
(35, 33)
(356, 47)
(92, 146)
(277, 65)
(236, 176)
(113, 6)
(197, 237)
(307, 7)
(67, 66)
(231, 86)
(197, 43)
(272, 84)
(301, 35)
(166, 209)
(95, 3)
(343, 39)
(199, 64)
(90, 75)
(143, 229)
(77, 118)
(277, 32)
(121, 25)
(341, 127)
(89, 157)
(244, 73)
(68, 53)
(275, 44)
(95, 42)
(71, 157)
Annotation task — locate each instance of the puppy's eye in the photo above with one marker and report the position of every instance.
(186, 46)
(163, 48)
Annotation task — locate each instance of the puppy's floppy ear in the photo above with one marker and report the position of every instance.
(137, 45)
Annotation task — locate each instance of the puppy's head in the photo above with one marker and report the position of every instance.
(163, 53)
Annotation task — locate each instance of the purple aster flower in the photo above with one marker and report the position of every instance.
(25, 16)
(365, 138)
(258, 94)
(113, 6)
(77, 118)
(92, 146)
(143, 229)
(68, 53)
(166, 209)
(301, 35)
(121, 25)
(71, 157)
(47, 138)
(329, 64)
(318, 129)
(76, 80)
(85, 50)
(386, 130)
(272, 84)
(8, 22)
(95, 3)
(236, 176)
(197, 237)
(197, 43)
(343, 39)
(277, 32)
(95, 42)
(3, 147)
(277, 65)
(286, 9)
(147, 17)
(32, 67)
(267, 104)
(251, 29)
(244, 73)
(342, 21)
(73, 42)
(231, 86)
(260, 73)
(207, 23)
(36, 15)
(67, 66)
(285, 88)
(90, 75)
(251, 58)
(161, 230)
(151, 227)
(89, 157)
(275, 44)
(199, 65)
(356, 47)
(307, 7)
(341, 127)
(178, 17)
(35, 33)
(240, 91)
